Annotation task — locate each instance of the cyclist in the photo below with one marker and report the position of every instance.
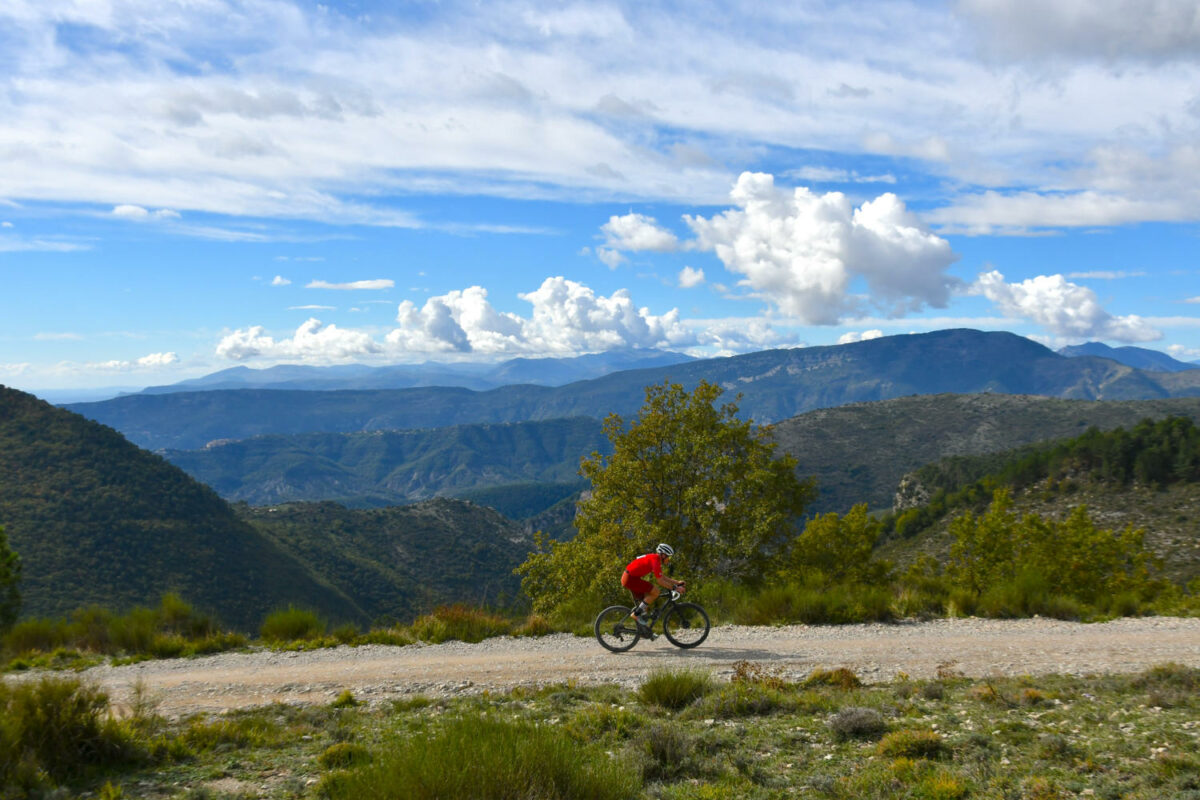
(643, 591)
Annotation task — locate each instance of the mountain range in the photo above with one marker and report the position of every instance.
(773, 385)
(537, 371)
(1137, 357)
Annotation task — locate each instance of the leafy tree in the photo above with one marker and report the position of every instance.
(687, 472)
(10, 577)
(837, 549)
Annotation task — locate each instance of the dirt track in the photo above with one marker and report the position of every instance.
(972, 647)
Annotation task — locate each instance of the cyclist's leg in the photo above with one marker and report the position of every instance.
(642, 590)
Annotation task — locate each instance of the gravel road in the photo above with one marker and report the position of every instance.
(972, 647)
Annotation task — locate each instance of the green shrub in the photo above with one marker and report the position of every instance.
(675, 689)
(841, 678)
(741, 699)
(343, 755)
(817, 604)
(290, 625)
(908, 743)
(345, 700)
(36, 636)
(461, 622)
(507, 760)
(666, 751)
(59, 727)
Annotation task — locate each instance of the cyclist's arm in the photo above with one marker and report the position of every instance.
(667, 583)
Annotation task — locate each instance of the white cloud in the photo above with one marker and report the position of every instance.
(994, 212)
(637, 232)
(1192, 300)
(801, 252)
(1105, 274)
(17, 244)
(279, 280)
(813, 174)
(148, 362)
(849, 337)
(312, 307)
(57, 337)
(138, 213)
(16, 369)
(381, 283)
(566, 318)
(1063, 308)
(610, 257)
(310, 342)
(1183, 353)
(690, 278)
(1106, 29)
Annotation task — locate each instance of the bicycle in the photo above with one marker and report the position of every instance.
(685, 625)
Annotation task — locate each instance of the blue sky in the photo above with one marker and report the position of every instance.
(189, 186)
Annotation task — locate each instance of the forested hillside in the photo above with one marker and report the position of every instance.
(405, 560)
(1147, 476)
(394, 467)
(96, 520)
(859, 452)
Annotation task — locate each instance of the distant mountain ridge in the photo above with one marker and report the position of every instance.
(394, 467)
(774, 384)
(480, 377)
(1137, 357)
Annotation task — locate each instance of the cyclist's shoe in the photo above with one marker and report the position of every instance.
(645, 632)
(642, 620)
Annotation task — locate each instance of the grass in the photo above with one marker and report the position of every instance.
(1048, 737)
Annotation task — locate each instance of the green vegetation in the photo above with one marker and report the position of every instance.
(761, 734)
(98, 521)
(537, 460)
(10, 582)
(684, 472)
(399, 562)
(171, 630)
(1155, 454)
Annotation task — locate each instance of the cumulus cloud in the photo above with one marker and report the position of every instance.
(1063, 308)
(801, 252)
(849, 337)
(381, 283)
(637, 232)
(151, 361)
(279, 280)
(310, 342)
(690, 278)
(566, 318)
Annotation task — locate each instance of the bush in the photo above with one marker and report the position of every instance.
(461, 622)
(59, 727)
(857, 723)
(292, 624)
(507, 760)
(343, 755)
(909, 743)
(675, 689)
(841, 677)
(741, 699)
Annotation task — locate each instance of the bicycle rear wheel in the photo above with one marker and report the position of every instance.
(615, 630)
(686, 625)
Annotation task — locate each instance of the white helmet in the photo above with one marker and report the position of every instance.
(665, 550)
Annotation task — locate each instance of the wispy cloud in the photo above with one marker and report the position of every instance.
(379, 283)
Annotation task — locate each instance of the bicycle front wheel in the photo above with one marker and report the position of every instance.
(615, 629)
(686, 625)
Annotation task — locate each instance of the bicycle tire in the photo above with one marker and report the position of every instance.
(614, 630)
(686, 625)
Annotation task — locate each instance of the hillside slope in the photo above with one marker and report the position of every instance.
(96, 520)
(394, 467)
(859, 452)
(399, 562)
(775, 384)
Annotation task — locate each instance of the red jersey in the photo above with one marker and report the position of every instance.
(642, 566)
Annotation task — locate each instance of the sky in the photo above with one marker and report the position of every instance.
(194, 185)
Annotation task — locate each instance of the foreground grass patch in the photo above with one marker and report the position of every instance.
(487, 759)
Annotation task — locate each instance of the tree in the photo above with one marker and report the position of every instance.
(838, 549)
(10, 577)
(684, 472)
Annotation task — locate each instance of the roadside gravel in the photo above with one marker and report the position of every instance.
(876, 653)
